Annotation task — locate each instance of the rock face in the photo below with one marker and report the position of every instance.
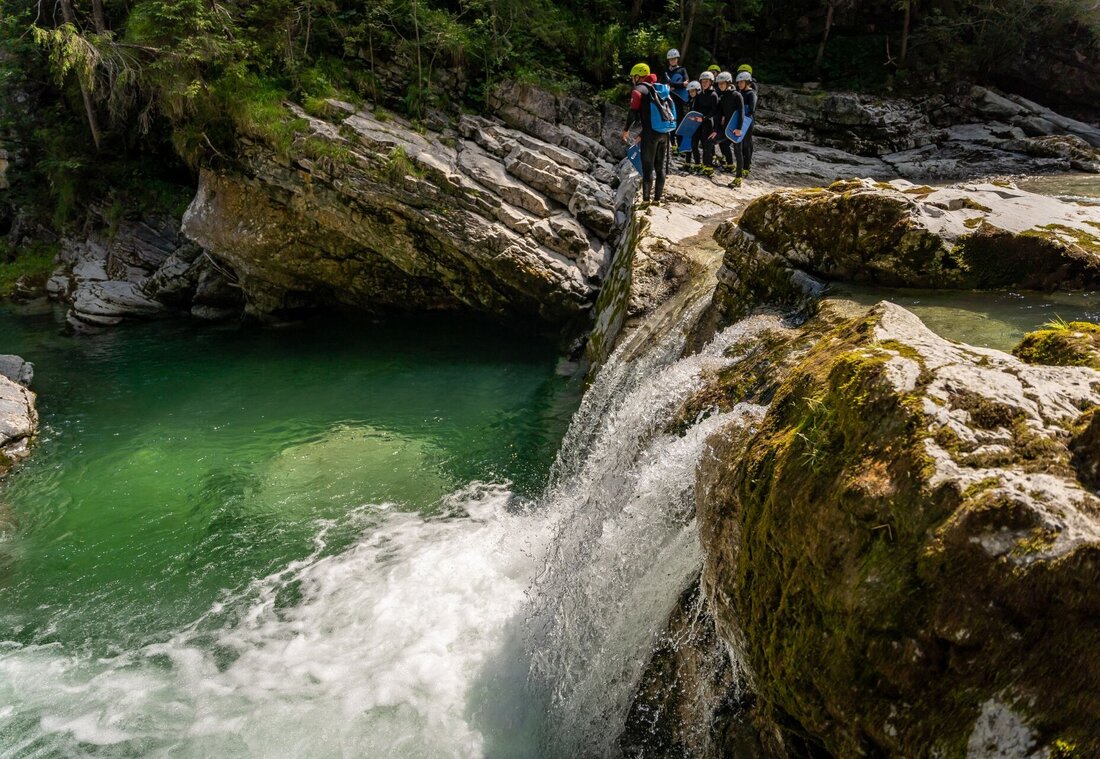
(18, 418)
(382, 218)
(906, 554)
(899, 234)
(145, 269)
(814, 136)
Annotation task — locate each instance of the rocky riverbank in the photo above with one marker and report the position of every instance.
(939, 602)
(518, 215)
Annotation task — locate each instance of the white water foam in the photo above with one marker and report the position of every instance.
(378, 658)
(496, 630)
(626, 544)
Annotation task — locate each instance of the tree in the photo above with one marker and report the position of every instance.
(85, 91)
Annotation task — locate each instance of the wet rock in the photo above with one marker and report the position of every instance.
(690, 702)
(945, 599)
(900, 234)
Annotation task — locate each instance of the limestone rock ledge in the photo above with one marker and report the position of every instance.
(18, 417)
(369, 213)
(906, 554)
(981, 236)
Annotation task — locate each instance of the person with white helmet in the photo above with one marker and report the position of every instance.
(676, 77)
(706, 103)
(693, 161)
(730, 104)
(746, 85)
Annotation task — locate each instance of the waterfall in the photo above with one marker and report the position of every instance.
(625, 544)
(499, 627)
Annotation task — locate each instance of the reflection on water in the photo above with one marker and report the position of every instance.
(987, 319)
(1079, 188)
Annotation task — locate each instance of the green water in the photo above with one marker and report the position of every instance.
(987, 319)
(179, 462)
(1080, 188)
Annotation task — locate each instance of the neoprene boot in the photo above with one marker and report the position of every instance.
(647, 190)
(659, 190)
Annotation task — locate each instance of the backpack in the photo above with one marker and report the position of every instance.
(662, 113)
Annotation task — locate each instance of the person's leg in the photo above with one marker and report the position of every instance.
(748, 149)
(739, 156)
(708, 151)
(649, 155)
(662, 159)
(727, 151)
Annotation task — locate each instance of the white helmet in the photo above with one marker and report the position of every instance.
(726, 77)
(693, 85)
(706, 76)
(744, 76)
(673, 53)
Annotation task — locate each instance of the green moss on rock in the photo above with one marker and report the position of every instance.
(1062, 344)
(881, 605)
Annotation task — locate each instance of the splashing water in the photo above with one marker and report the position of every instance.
(625, 545)
(493, 626)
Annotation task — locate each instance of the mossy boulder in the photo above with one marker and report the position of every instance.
(903, 235)
(1062, 344)
(906, 553)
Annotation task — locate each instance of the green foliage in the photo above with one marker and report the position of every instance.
(30, 265)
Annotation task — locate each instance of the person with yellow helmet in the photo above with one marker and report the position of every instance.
(652, 108)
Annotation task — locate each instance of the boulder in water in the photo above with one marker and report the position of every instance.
(1062, 344)
(898, 234)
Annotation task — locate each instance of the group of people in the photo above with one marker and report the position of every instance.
(720, 97)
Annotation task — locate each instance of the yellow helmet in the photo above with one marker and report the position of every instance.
(640, 69)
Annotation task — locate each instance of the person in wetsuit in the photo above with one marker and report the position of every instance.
(731, 106)
(654, 144)
(746, 85)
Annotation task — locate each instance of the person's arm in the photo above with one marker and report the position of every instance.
(634, 115)
(741, 100)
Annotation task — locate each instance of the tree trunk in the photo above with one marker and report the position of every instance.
(830, 9)
(89, 106)
(635, 10)
(905, 30)
(98, 18)
(693, 9)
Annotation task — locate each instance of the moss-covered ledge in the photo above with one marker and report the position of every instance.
(908, 550)
(1062, 344)
(896, 234)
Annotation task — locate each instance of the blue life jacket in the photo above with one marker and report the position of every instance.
(662, 113)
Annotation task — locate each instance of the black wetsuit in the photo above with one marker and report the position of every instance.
(730, 103)
(654, 144)
(706, 102)
(677, 89)
(749, 96)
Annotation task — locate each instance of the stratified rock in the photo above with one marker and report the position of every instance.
(906, 555)
(382, 218)
(899, 234)
(18, 417)
(138, 272)
(1062, 344)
